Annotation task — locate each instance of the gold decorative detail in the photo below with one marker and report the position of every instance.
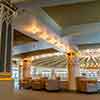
(6, 79)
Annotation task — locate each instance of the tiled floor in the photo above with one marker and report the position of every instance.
(37, 95)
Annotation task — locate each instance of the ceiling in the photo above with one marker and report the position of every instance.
(16, 1)
(37, 52)
(49, 62)
(20, 38)
(47, 3)
(74, 14)
(78, 18)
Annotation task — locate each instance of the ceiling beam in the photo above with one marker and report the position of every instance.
(48, 3)
(82, 29)
(34, 17)
(30, 47)
(84, 33)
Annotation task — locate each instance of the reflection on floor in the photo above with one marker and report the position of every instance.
(42, 95)
(15, 76)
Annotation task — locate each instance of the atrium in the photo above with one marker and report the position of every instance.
(49, 49)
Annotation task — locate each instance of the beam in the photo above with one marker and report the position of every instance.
(42, 21)
(84, 33)
(30, 47)
(48, 3)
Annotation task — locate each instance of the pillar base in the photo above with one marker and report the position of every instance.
(6, 83)
(72, 85)
(72, 89)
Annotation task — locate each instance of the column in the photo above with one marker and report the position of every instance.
(7, 10)
(9, 42)
(27, 62)
(73, 69)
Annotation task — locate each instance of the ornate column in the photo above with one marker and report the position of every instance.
(7, 10)
(73, 68)
(27, 62)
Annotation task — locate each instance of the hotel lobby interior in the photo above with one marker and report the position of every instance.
(49, 49)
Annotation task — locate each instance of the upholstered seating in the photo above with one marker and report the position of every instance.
(37, 84)
(64, 85)
(26, 83)
(86, 85)
(52, 85)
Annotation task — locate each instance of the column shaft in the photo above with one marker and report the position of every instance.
(9, 48)
(7, 11)
(3, 46)
(73, 70)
